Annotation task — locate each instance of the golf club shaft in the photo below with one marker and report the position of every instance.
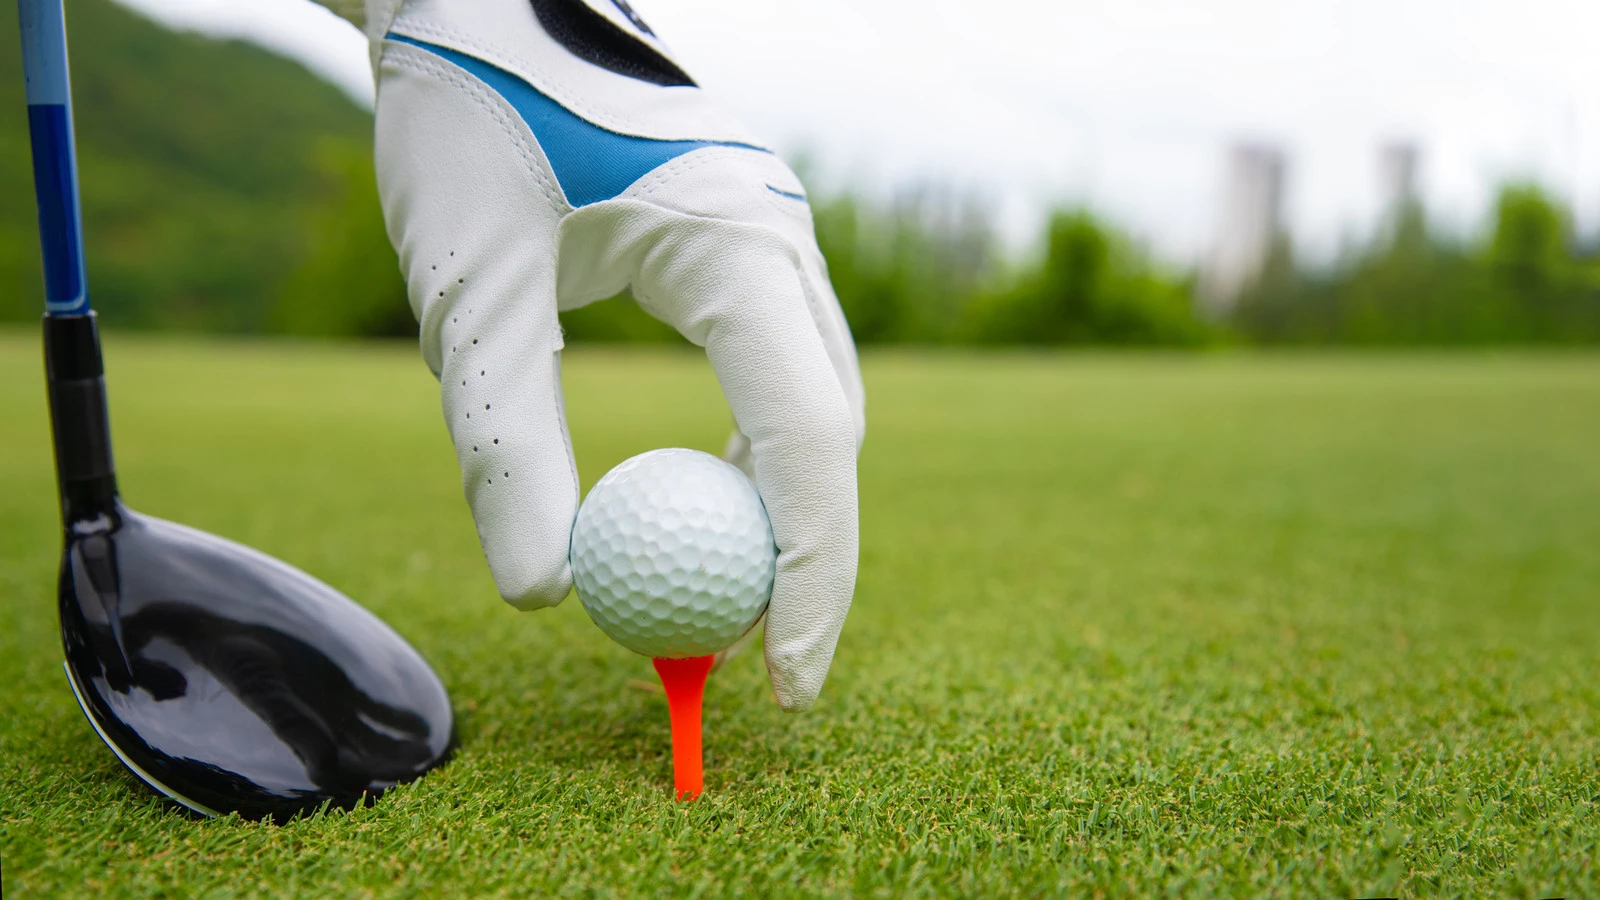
(55, 169)
(73, 366)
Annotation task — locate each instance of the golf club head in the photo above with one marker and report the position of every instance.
(231, 681)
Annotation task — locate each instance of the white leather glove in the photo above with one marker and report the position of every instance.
(536, 155)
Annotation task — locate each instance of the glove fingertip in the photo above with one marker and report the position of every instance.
(796, 706)
(796, 680)
(538, 593)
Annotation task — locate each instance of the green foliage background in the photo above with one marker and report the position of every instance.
(1522, 282)
(224, 188)
(228, 190)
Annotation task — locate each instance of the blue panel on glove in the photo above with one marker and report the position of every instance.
(590, 163)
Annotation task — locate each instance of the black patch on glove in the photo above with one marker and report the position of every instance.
(594, 38)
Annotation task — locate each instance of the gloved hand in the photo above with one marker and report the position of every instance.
(536, 156)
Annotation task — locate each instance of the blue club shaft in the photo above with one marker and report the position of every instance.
(74, 370)
(55, 167)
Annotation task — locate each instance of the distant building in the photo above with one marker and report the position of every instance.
(1397, 174)
(1252, 220)
(1397, 183)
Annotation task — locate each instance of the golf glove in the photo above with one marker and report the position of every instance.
(539, 155)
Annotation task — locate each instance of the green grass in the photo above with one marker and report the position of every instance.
(1305, 626)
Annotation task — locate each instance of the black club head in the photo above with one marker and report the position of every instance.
(231, 681)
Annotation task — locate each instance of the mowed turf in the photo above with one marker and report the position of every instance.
(1305, 626)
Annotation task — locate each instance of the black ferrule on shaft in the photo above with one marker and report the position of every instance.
(79, 418)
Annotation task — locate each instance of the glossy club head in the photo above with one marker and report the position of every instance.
(231, 681)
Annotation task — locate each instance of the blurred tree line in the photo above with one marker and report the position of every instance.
(228, 190)
(1525, 280)
(926, 268)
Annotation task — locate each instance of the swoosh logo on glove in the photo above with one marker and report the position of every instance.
(783, 193)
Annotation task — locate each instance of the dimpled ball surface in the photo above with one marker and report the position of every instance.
(673, 555)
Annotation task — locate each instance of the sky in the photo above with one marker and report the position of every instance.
(1128, 107)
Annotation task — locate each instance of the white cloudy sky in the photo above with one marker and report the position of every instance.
(1128, 105)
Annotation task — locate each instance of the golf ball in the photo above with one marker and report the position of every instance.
(672, 554)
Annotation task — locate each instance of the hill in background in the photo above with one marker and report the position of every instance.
(224, 188)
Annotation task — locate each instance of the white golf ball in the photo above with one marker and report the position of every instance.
(672, 554)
